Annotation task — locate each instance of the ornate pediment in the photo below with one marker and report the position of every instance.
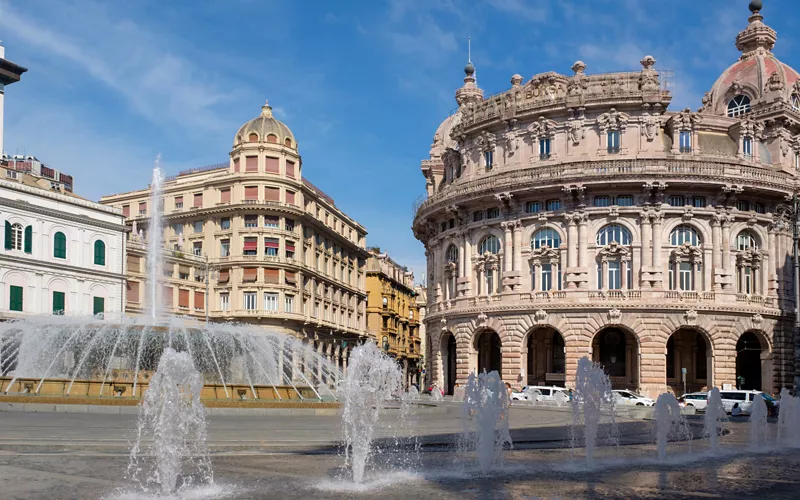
(651, 126)
(450, 268)
(752, 128)
(613, 120)
(614, 250)
(751, 257)
(686, 252)
(686, 120)
(545, 254)
(542, 128)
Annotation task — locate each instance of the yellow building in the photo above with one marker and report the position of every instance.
(252, 240)
(393, 313)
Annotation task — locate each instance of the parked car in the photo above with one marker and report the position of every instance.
(698, 400)
(745, 400)
(631, 398)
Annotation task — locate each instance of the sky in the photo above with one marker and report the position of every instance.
(362, 84)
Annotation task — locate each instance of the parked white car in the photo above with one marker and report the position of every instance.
(745, 400)
(699, 400)
(539, 392)
(629, 398)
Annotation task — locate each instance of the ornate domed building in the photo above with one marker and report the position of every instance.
(577, 215)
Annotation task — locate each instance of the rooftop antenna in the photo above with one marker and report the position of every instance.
(469, 49)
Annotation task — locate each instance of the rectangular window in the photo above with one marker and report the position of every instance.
(601, 201)
(250, 301)
(796, 163)
(250, 274)
(272, 221)
(224, 302)
(224, 248)
(15, 298)
(132, 291)
(197, 226)
(625, 200)
(747, 147)
(58, 303)
(316, 310)
(553, 204)
(477, 215)
(289, 224)
(250, 193)
(686, 141)
(698, 201)
(178, 202)
(544, 148)
(126, 209)
(273, 165)
(250, 246)
(225, 223)
(288, 304)
(614, 276)
(225, 195)
(290, 249)
(290, 197)
(197, 248)
(290, 278)
(198, 200)
(676, 200)
(272, 194)
(290, 169)
(493, 213)
(251, 221)
(142, 208)
(613, 141)
(547, 277)
(251, 164)
(199, 301)
(533, 207)
(270, 301)
(99, 306)
(183, 299)
(224, 276)
(743, 205)
(686, 276)
(488, 159)
(271, 246)
(272, 276)
(758, 208)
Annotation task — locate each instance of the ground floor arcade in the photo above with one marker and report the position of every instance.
(644, 351)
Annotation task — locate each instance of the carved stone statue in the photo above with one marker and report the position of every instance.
(650, 126)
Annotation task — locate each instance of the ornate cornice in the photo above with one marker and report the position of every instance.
(63, 216)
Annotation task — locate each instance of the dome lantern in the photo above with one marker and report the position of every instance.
(265, 128)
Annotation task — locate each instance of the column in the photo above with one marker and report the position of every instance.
(517, 246)
(583, 240)
(537, 276)
(603, 275)
(468, 264)
(647, 235)
(771, 261)
(726, 244)
(657, 220)
(716, 243)
(763, 276)
(508, 248)
(740, 285)
(572, 243)
(623, 268)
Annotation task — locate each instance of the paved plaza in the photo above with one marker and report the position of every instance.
(83, 456)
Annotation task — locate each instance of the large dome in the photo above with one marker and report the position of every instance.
(758, 77)
(265, 128)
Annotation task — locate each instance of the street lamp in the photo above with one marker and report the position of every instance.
(210, 272)
(792, 212)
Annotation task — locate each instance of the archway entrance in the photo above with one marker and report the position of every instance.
(490, 358)
(618, 352)
(545, 359)
(690, 350)
(448, 351)
(753, 364)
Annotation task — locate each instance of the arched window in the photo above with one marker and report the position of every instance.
(287, 142)
(683, 234)
(613, 232)
(545, 237)
(272, 138)
(99, 253)
(451, 271)
(452, 253)
(796, 102)
(746, 241)
(490, 244)
(13, 236)
(738, 105)
(253, 137)
(59, 246)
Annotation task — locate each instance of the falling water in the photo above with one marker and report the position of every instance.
(759, 432)
(670, 424)
(155, 237)
(532, 395)
(788, 416)
(372, 377)
(592, 393)
(715, 412)
(486, 419)
(436, 393)
(560, 398)
(172, 419)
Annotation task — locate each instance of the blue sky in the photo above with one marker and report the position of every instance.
(363, 85)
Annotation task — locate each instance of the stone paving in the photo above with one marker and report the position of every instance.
(69, 456)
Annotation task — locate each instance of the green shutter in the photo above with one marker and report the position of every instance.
(99, 253)
(28, 239)
(15, 298)
(60, 246)
(99, 305)
(58, 302)
(8, 235)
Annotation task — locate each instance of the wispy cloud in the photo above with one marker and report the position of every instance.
(528, 11)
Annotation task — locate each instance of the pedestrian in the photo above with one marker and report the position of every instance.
(736, 411)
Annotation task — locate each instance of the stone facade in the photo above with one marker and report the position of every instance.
(266, 245)
(392, 314)
(576, 216)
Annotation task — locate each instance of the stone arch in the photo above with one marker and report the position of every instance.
(702, 227)
(447, 360)
(488, 348)
(529, 230)
(543, 357)
(595, 225)
(617, 349)
(754, 361)
(490, 231)
(759, 231)
(689, 348)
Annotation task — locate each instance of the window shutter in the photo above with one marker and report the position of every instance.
(225, 195)
(250, 274)
(58, 303)
(99, 306)
(272, 194)
(290, 169)
(251, 164)
(60, 246)
(273, 165)
(167, 296)
(198, 200)
(183, 298)
(134, 264)
(132, 291)
(8, 235)
(271, 275)
(28, 239)
(251, 192)
(126, 210)
(224, 276)
(15, 298)
(199, 300)
(290, 278)
(290, 197)
(99, 253)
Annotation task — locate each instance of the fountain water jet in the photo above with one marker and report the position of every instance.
(592, 393)
(715, 412)
(669, 423)
(155, 241)
(788, 416)
(372, 377)
(486, 419)
(759, 432)
(172, 416)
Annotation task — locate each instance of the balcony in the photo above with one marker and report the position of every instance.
(615, 295)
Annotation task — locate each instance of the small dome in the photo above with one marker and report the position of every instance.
(469, 69)
(265, 128)
(441, 139)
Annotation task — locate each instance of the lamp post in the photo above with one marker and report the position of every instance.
(792, 212)
(208, 271)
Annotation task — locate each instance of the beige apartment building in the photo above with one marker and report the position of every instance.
(253, 241)
(576, 215)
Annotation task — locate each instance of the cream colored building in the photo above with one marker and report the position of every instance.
(277, 251)
(575, 215)
(424, 347)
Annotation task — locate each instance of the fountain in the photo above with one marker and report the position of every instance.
(592, 393)
(486, 419)
(759, 432)
(372, 378)
(715, 412)
(155, 244)
(532, 395)
(560, 398)
(788, 415)
(173, 419)
(669, 423)
(436, 393)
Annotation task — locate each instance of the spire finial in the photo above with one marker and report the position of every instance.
(266, 109)
(469, 49)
